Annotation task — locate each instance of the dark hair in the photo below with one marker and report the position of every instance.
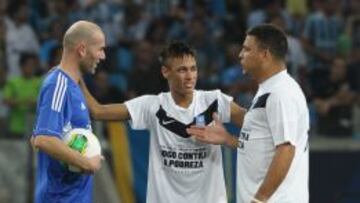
(25, 57)
(175, 50)
(272, 38)
(14, 7)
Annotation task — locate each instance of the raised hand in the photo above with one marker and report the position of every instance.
(212, 134)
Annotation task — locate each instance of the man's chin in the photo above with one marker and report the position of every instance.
(189, 91)
(92, 71)
(88, 71)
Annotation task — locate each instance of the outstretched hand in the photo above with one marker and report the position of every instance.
(212, 134)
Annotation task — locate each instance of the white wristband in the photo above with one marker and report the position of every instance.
(256, 200)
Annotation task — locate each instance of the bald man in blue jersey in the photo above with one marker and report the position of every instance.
(61, 107)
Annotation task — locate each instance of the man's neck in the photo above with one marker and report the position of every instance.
(70, 67)
(183, 100)
(268, 72)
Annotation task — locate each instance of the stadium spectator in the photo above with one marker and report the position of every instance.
(3, 58)
(321, 32)
(266, 9)
(233, 80)
(20, 36)
(20, 95)
(334, 100)
(145, 77)
(103, 91)
(3, 107)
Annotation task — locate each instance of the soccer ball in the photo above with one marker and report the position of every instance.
(83, 141)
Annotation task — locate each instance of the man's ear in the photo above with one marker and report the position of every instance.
(81, 49)
(165, 71)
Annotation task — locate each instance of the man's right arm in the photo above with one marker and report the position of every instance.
(104, 112)
(214, 134)
(57, 149)
(47, 134)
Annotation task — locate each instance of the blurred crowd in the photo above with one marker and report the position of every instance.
(323, 38)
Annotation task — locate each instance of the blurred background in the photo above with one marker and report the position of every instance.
(324, 57)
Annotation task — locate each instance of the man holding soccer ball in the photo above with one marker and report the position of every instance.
(62, 107)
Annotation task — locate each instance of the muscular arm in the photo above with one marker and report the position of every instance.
(237, 114)
(104, 112)
(277, 171)
(58, 150)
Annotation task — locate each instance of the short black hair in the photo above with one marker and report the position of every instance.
(175, 50)
(272, 38)
(14, 7)
(25, 57)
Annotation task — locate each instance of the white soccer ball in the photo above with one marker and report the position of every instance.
(84, 141)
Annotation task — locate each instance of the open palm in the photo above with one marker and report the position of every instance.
(212, 134)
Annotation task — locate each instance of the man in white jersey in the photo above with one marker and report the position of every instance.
(181, 170)
(273, 152)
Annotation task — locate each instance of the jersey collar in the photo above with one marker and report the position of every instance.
(172, 101)
(273, 79)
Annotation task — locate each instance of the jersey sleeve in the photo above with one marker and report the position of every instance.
(51, 110)
(224, 106)
(139, 110)
(282, 118)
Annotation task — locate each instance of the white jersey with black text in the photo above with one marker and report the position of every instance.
(181, 170)
(278, 114)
